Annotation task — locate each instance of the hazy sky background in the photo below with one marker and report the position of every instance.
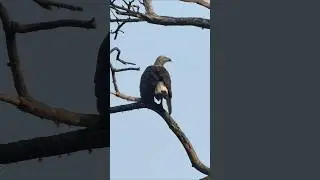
(58, 66)
(142, 145)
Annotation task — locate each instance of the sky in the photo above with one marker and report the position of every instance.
(142, 145)
(59, 67)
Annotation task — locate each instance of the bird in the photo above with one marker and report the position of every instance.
(155, 82)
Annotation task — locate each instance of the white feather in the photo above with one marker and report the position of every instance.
(160, 88)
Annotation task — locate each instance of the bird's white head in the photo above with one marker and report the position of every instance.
(161, 60)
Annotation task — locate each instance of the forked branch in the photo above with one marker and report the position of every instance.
(24, 101)
(94, 136)
(129, 12)
(114, 79)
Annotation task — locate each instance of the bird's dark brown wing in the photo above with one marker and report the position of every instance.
(147, 83)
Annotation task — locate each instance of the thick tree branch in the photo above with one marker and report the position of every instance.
(57, 115)
(126, 107)
(89, 138)
(205, 178)
(204, 3)
(9, 99)
(151, 17)
(195, 161)
(148, 6)
(89, 24)
(47, 4)
(127, 20)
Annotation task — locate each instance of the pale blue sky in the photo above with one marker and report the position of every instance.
(142, 145)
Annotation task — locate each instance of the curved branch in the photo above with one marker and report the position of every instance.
(148, 6)
(96, 136)
(114, 80)
(57, 115)
(14, 62)
(205, 178)
(195, 161)
(24, 101)
(41, 147)
(204, 3)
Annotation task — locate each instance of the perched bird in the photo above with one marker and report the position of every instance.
(156, 83)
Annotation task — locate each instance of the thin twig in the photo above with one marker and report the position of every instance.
(117, 92)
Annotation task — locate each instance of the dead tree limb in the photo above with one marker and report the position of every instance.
(130, 12)
(95, 135)
(25, 102)
(114, 79)
(204, 3)
(41, 147)
(195, 161)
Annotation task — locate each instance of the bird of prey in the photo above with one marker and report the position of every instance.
(156, 83)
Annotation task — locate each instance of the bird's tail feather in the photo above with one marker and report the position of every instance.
(169, 105)
(160, 92)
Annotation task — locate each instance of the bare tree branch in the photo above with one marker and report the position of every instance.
(204, 3)
(9, 99)
(14, 62)
(148, 6)
(130, 10)
(57, 115)
(47, 4)
(126, 107)
(24, 101)
(126, 20)
(195, 161)
(89, 24)
(89, 138)
(205, 178)
(96, 135)
(114, 80)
